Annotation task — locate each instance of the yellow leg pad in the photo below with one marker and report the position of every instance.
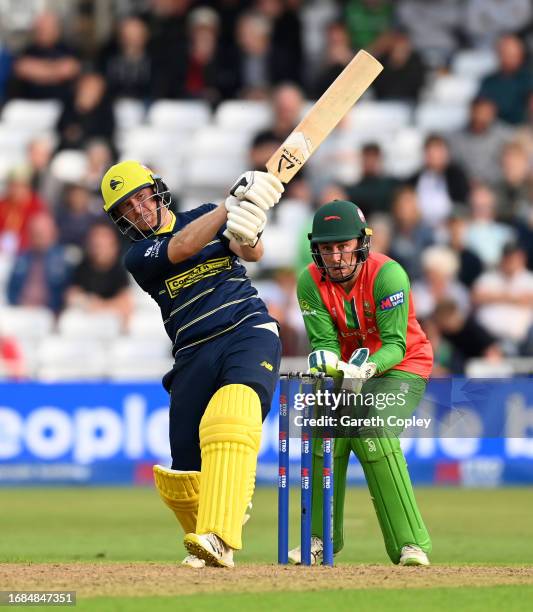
(230, 437)
(180, 491)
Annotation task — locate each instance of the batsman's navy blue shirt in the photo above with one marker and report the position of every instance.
(199, 298)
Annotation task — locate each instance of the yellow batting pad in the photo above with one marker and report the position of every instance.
(180, 491)
(230, 437)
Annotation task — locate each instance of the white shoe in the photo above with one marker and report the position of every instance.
(210, 548)
(193, 561)
(317, 552)
(413, 555)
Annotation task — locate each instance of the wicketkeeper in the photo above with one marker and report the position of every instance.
(351, 298)
(225, 344)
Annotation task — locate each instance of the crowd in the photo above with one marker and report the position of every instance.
(461, 225)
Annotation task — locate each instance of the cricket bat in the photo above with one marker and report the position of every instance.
(325, 114)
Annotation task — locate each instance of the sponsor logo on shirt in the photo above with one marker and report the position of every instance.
(391, 301)
(307, 309)
(196, 274)
(153, 249)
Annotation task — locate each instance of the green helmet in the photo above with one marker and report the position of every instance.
(339, 221)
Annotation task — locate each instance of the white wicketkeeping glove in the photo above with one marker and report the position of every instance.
(261, 188)
(246, 221)
(357, 371)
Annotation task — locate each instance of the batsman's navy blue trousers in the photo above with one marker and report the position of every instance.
(248, 356)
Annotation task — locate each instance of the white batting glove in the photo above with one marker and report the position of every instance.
(246, 221)
(261, 188)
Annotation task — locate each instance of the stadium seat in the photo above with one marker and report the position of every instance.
(26, 322)
(437, 117)
(215, 140)
(147, 325)
(14, 140)
(372, 117)
(69, 166)
(243, 115)
(212, 171)
(128, 113)
(61, 358)
(453, 89)
(152, 145)
(74, 323)
(139, 359)
(179, 115)
(403, 153)
(474, 64)
(32, 114)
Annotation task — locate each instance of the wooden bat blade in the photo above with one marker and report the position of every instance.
(325, 114)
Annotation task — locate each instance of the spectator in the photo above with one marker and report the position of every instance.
(432, 27)
(18, 206)
(440, 266)
(443, 355)
(279, 294)
(484, 235)
(40, 272)
(39, 156)
(89, 114)
(381, 233)
(367, 20)
(478, 147)
(286, 38)
(514, 190)
(510, 86)
(168, 43)
(46, 68)
(524, 134)
(100, 282)
(504, 298)
(338, 54)
(5, 69)
(127, 66)
(375, 190)
(468, 338)
(485, 20)
(403, 70)
(258, 67)
(99, 158)
(287, 108)
(12, 365)
(441, 182)
(75, 215)
(470, 265)
(410, 234)
(200, 79)
(262, 147)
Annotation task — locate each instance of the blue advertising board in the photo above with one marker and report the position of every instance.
(109, 433)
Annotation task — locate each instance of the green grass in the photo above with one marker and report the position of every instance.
(483, 526)
(477, 599)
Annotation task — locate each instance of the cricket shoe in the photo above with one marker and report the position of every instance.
(210, 548)
(193, 562)
(317, 552)
(413, 555)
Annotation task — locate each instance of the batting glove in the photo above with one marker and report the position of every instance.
(246, 221)
(261, 188)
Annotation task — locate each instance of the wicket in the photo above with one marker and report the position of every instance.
(307, 381)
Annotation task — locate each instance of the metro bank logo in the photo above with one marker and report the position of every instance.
(391, 301)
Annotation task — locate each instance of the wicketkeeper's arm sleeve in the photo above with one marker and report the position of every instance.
(391, 297)
(320, 328)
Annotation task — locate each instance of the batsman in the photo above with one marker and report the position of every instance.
(225, 344)
(351, 298)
